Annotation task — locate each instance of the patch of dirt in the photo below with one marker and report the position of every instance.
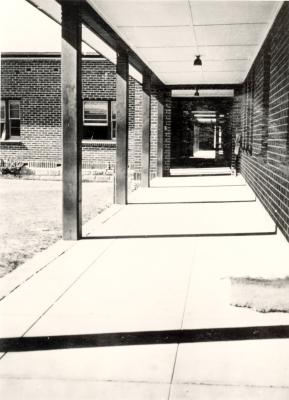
(262, 295)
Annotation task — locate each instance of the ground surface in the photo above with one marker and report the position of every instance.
(107, 319)
(30, 216)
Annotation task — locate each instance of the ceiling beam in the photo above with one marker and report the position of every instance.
(101, 28)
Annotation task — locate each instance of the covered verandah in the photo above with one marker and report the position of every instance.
(157, 42)
(138, 305)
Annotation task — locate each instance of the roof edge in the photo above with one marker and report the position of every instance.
(8, 54)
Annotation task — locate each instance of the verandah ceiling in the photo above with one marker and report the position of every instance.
(168, 34)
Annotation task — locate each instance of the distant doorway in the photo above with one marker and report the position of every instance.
(200, 133)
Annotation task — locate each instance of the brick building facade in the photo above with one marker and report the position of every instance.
(34, 83)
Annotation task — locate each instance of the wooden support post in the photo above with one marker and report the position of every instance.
(145, 172)
(122, 79)
(220, 140)
(160, 167)
(196, 139)
(72, 121)
(217, 135)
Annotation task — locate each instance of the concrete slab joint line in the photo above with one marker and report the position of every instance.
(163, 300)
(54, 301)
(38, 263)
(16, 278)
(182, 320)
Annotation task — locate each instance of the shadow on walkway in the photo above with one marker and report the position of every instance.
(40, 343)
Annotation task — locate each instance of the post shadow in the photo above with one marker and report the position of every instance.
(41, 343)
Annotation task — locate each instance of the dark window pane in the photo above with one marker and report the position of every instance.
(2, 128)
(96, 132)
(15, 127)
(2, 111)
(113, 129)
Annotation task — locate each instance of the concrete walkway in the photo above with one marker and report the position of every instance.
(144, 312)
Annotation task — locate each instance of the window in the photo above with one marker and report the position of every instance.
(10, 119)
(14, 119)
(3, 119)
(99, 120)
(113, 119)
(95, 113)
(248, 115)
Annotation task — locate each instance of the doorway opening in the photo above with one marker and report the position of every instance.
(201, 133)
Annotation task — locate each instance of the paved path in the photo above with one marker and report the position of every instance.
(158, 275)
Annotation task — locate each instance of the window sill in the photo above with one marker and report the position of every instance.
(99, 143)
(10, 141)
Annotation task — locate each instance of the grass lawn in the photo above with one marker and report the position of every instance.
(31, 216)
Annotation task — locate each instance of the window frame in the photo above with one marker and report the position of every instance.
(96, 122)
(7, 134)
(109, 123)
(10, 118)
(3, 120)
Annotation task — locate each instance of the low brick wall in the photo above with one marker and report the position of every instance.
(90, 173)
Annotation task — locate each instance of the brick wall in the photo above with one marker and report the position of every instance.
(27, 80)
(98, 79)
(135, 127)
(155, 98)
(261, 114)
(37, 83)
(99, 153)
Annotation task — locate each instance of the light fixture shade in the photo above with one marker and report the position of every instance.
(197, 92)
(198, 61)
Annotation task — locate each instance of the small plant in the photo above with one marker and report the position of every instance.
(11, 166)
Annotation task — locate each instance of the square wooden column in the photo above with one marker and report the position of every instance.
(145, 168)
(217, 135)
(72, 121)
(122, 79)
(160, 166)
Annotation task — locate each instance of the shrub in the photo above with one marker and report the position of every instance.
(11, 166)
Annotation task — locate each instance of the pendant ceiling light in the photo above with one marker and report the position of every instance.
(197, 92)
(198, 61)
